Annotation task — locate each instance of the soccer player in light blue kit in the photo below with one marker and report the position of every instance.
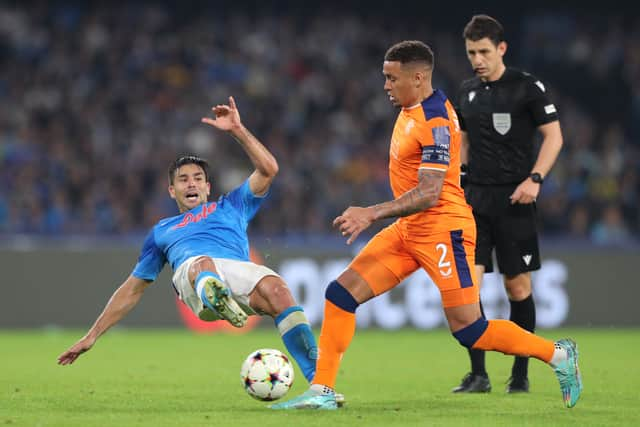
(208, 250)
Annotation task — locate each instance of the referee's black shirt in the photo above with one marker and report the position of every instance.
(500, 119)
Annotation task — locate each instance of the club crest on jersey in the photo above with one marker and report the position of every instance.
(410, 124)
(501, 122)
(190, 218)
(472, 95)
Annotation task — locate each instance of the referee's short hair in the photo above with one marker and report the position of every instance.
(482, 26)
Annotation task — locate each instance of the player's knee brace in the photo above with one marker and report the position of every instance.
(468, 335)
(339, 296)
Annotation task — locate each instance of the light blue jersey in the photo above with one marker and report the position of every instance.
(215, 229)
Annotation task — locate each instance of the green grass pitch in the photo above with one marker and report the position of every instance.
(390, 378)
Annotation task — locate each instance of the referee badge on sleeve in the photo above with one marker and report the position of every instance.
(501, 122)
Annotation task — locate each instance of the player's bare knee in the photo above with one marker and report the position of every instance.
(276, 294)
(279, 294)
(518, 294)
(355, 285)
(199, 265)
(518, 287)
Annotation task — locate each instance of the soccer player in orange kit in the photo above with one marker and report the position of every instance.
(435, 230)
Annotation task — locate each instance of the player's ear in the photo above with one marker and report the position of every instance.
(172, 191)
(418, 77)
(421, 75)
(502, 48)
(208, 188)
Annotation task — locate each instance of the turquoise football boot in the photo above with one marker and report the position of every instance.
(309, 400)
(216, 296)
(568, 373)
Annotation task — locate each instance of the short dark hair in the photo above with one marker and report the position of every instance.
(410, 51)
(188, 160)
(482, 26)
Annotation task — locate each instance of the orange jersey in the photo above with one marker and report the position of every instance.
(428, 136)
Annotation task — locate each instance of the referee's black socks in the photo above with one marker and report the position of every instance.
(523, 314)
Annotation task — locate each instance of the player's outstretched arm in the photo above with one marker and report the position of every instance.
(423, 196)
(228, 119)
(120, 303)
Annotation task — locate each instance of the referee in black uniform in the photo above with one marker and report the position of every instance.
(500, 110)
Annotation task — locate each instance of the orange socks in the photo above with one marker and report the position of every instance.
(507, 337)
(338, 328)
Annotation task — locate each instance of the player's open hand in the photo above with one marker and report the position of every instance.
(227, 117)
(525, 193)
(353, 221)
(83, 345)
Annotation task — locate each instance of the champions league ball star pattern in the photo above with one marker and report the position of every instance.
(267, 374)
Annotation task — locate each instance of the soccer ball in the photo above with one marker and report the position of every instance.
(267, 374)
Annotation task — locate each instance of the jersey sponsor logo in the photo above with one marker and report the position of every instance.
(190, 218)
(501, 122)
(540, 85)
(410, 124)
(550, 109)
(527, 258)
(472, 95)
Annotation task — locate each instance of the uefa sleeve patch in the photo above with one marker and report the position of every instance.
(441, 136)
(439, 152)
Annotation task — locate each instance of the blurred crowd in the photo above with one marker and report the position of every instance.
(96, 101)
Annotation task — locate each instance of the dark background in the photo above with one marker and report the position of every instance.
(96, 98)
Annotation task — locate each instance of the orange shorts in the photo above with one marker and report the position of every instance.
(448, 258)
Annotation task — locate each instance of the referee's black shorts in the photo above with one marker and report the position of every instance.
(510, 229)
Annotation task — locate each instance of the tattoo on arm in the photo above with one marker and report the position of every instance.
(423, 196)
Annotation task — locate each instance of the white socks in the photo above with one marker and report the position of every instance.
(559, 355)
(321, 389)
